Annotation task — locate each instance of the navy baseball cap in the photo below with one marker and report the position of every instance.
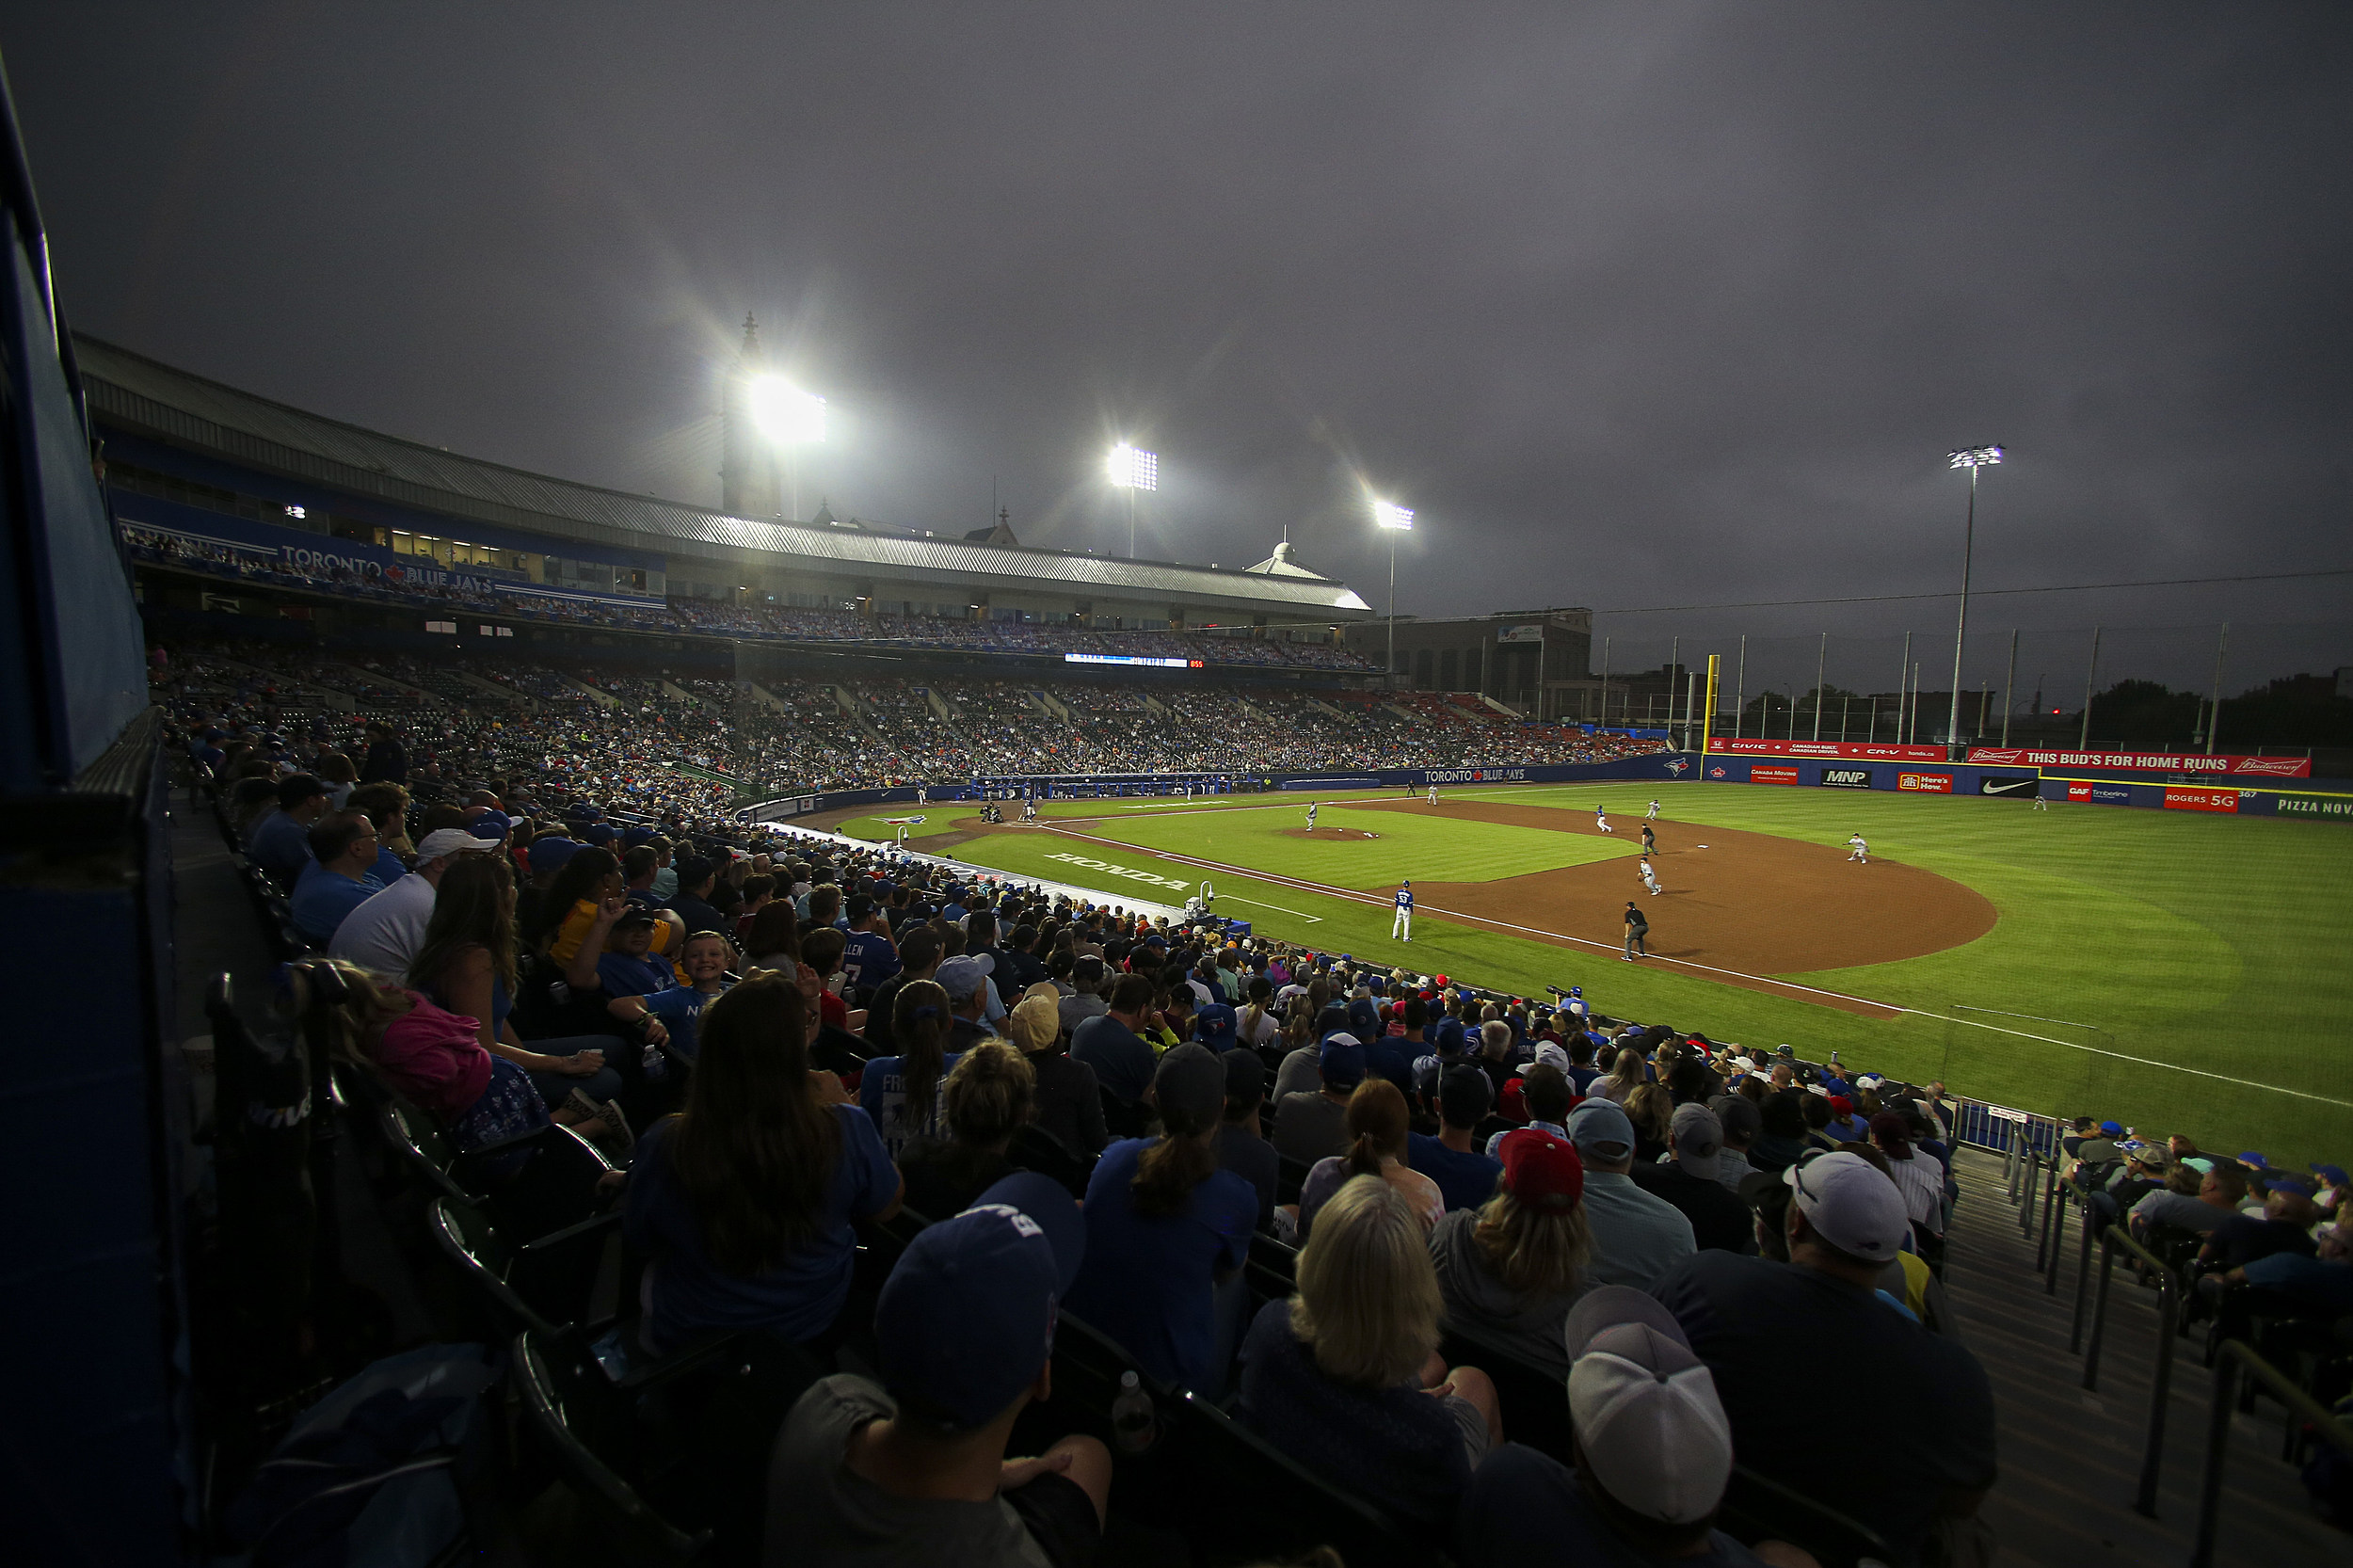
(1215, 1026)
(1447, 1036)
(1363, 1016)
(635, 834)
(967, 1318)
(549, 855)
(1341, 1062)
(2334, 1174)
(492, 824)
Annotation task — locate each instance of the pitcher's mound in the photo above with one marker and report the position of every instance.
(1321, 834)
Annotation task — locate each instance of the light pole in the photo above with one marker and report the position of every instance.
(788, 417)
(1393, 519)
(1133, 469)
(1972, 458)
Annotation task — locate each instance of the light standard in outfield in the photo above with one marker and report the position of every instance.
(1972, 458)
(1133, 469)
(791, 418)
(1393, 519)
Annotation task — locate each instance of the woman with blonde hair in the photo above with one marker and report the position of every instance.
(1515, 1266)
(1626, 1073)
(1651, 1108)
(1344, 1376)
(1069, 1106)
(1378, 1122)
(987, 1097)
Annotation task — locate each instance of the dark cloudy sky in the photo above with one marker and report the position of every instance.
(1642, 304)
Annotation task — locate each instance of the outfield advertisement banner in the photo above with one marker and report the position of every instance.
(1760, 774)
(2148, 761)
(1843, 750)
(2100, 795)
(1994, 784)
(2338, 808)
(1927, 783)
(1846, 779)
(2178, 799)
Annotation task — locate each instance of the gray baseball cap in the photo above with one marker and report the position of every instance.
(1697, 1138)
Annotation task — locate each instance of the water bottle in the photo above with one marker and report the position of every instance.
(1134, 1423)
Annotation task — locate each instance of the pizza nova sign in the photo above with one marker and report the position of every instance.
(1155, 878)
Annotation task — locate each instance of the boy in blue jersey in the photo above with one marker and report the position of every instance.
(1401, 923)
(869, 957)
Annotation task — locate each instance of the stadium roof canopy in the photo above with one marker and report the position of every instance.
(135, 393)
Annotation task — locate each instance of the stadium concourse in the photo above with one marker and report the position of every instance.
(1369, 1261)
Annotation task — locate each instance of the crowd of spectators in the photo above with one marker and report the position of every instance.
(781, 1037)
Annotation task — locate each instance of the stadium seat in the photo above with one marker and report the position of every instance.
(584, 1428)
(544, 1286)
(1036, 1149)
(1534, 1398)
(554, 1187)
(1757, 1508)
(1266, 1504)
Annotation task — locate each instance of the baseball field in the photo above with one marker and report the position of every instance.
(2182, 972)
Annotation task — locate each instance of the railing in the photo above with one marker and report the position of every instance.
(2161, 1378)
(2327, 1428)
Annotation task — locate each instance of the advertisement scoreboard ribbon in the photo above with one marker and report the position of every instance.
(2233, 765)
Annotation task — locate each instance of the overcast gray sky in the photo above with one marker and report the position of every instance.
(1635, 304)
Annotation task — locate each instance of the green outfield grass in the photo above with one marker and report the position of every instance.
(2213, 944)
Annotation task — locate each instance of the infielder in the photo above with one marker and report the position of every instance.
(1311, 816)
(1652, 814)
(1434, 794)
(1599, 820)
(1401, 923)
(1650, 878)
(1861, 851)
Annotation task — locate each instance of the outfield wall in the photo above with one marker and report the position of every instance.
(2318, 799)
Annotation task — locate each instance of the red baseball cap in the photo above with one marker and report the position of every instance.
(1541, 1170)
(1841, 1104)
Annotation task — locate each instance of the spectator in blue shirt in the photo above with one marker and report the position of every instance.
(281, 843)
(869, 957)
(336, 880)
(1165, 1225)
(746, 1201)
(1466, 1176)
(630, 967)
(680, 1008)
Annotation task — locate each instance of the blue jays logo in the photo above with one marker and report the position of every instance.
(1677, 766)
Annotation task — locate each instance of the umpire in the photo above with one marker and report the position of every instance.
(1637, 928)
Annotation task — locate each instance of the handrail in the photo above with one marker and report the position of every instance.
(2161, 1378)
(2324, 1426)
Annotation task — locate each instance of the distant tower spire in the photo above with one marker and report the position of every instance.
(747, 464)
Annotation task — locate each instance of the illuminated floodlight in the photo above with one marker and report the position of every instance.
(1974, 457)
(1135, 469)
(1387, 514)
(784, 413)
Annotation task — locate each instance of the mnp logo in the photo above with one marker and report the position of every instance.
(1846, 779)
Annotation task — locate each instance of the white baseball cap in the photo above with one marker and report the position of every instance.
(451, 841)
(1850, 1205)
(1649, 1423)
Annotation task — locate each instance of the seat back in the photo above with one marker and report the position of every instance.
(1757, 1508)
(1270, 1506)
(467, 1239)
(1036, 1149)
(584, 1428)
(1535, 1398)
(410, 1134)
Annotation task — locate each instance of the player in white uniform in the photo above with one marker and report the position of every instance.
(1311, 816)
(2041, 802)
(1650, 815)
(1861, 851)
(1401, 923)
(1599, 820)
(923, 794)
(1650, 878)
(1434, 794)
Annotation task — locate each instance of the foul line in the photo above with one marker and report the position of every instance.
(1377, 901)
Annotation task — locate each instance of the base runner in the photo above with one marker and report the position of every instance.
(1599, 820)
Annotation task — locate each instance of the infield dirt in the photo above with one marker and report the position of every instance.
(1748, 901)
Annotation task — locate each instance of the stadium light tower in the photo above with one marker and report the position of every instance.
(788, 417)
(1392, 520)
(1133, 469)
(1972, 458)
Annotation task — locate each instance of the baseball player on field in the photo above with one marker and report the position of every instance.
(1434, 794)
(1311, 816)
(1861, 851)
(2041, 802)
(1650, 878)
(1650, 815)
(1599, 820)
(1401, 923)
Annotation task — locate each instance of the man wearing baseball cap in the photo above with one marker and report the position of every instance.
(1688, 1179)
(1845, 1223)
(1653, 1454)
(1464, 1173)
(915, 1470)
(1637, 1238)
(1313, 1126)
(386, 931)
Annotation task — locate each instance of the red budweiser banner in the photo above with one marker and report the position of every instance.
(2152, 762)
(1845, 749)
